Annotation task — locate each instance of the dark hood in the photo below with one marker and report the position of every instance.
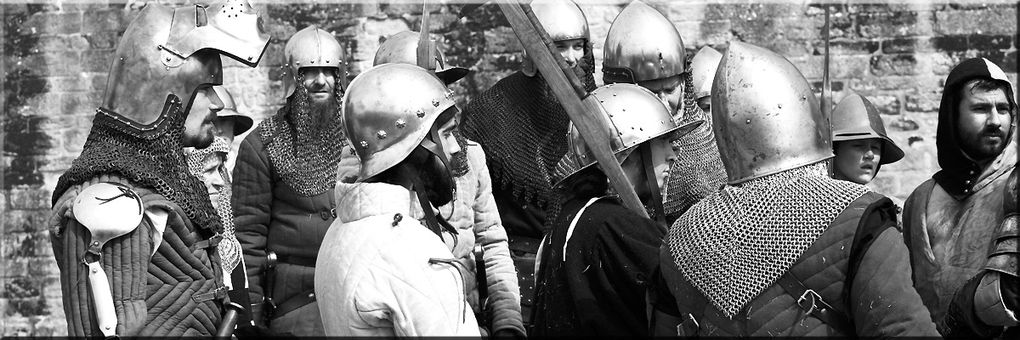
(960, 172)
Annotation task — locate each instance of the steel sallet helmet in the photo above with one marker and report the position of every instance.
(403, 48)
(703, 67)
(765, 117)
(241, 122)
(634, 114)
(388, 110)
(562, 20)
(857, 118)
(642, 45)
(312, 47)
(166, 53)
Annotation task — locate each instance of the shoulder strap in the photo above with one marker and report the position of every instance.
(812, 303)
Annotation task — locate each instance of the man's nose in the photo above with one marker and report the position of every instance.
(994, 119)
(452, 146)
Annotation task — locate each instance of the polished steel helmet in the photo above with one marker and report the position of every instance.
(703, 67)
(403, 48)
(312, 47)
(642, 44)
(387, 112)
(229, 112)
(634, 115)
(166, 53)
(855, 117)
(765, 117)
(561, 19)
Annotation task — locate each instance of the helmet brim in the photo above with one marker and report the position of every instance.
(453, 74)
(242, 123)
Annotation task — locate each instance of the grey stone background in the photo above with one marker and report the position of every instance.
(56, 55)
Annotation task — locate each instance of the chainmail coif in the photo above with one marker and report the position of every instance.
(303, 152)
(152, 158)
(698, 170)
(229, 248)
(738, 241)
(523, 128)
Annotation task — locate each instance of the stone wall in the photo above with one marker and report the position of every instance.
(55, 59)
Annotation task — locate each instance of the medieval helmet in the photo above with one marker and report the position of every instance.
(703, 67)
(562, 20)
(388, 111)
(855, 117)
(313, 47)
(166, 53)
(765, 117)
(634, 115)
(229, 112)
(403, 48)
(642, 44)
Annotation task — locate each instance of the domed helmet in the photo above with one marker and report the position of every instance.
(229, 112)
(763, 128)
(313, 47)
(855, 117)
(389, 110)
(635, 116)
(562, 20)
(403, 47)
(703, 67)
(642, 45)
(167, 53)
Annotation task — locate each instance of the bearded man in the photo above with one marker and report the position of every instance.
(782, 249)
(283, 181)
(643, 47)
(961, 225)
(523, 127)
(159, 272)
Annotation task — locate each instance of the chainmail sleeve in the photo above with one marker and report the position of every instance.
(252, 199)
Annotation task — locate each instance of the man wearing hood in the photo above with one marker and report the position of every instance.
(283, 181)
(960, 225)
(523, 129)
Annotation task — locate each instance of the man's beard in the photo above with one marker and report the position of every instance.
(312, 120)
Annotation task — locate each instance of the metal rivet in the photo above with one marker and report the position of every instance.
(401, 123)
(749, 121)
(780, 105)
(249, 58)
(421, 113)
(435, 102)
(381, 134)
(364, 145)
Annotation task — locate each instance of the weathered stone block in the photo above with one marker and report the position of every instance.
(886, 104)
(950, 42)
(97, 60)
(993, 19)
(103, 40)
(74, 42)
(894, 64)
(53, 23)
(502, 40)
(892, 24)
(990, 42)
(111, 20)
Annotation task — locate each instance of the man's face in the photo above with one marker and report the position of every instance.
(199, 128)
(211, 175)
(571, 50)
(320, 82)
(225, 129)
(447, 138)
(857, 160)
(669, 91)
(983, 122)
(662, 158)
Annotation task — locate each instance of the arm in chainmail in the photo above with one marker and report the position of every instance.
(883, 302)
(504, 293)
(252, 201)
(125, 260)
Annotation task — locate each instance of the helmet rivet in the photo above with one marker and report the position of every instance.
(401, 123)
(364, 145)
(167, 58)
(780, 105)
(749, 121)
(421, 113)
(249, 58)
(381, 134)
(435, 102)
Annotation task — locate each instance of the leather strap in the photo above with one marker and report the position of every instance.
(210, 242)
(297, 260)
(812, 303)
(218, 293)
(294, 302)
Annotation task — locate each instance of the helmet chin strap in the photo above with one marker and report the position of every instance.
(653, 186)
(434, 222)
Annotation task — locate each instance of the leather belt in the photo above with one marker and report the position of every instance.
(812, 303)
(297, 260)
(218, 293)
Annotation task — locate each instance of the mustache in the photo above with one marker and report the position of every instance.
(993, 132)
